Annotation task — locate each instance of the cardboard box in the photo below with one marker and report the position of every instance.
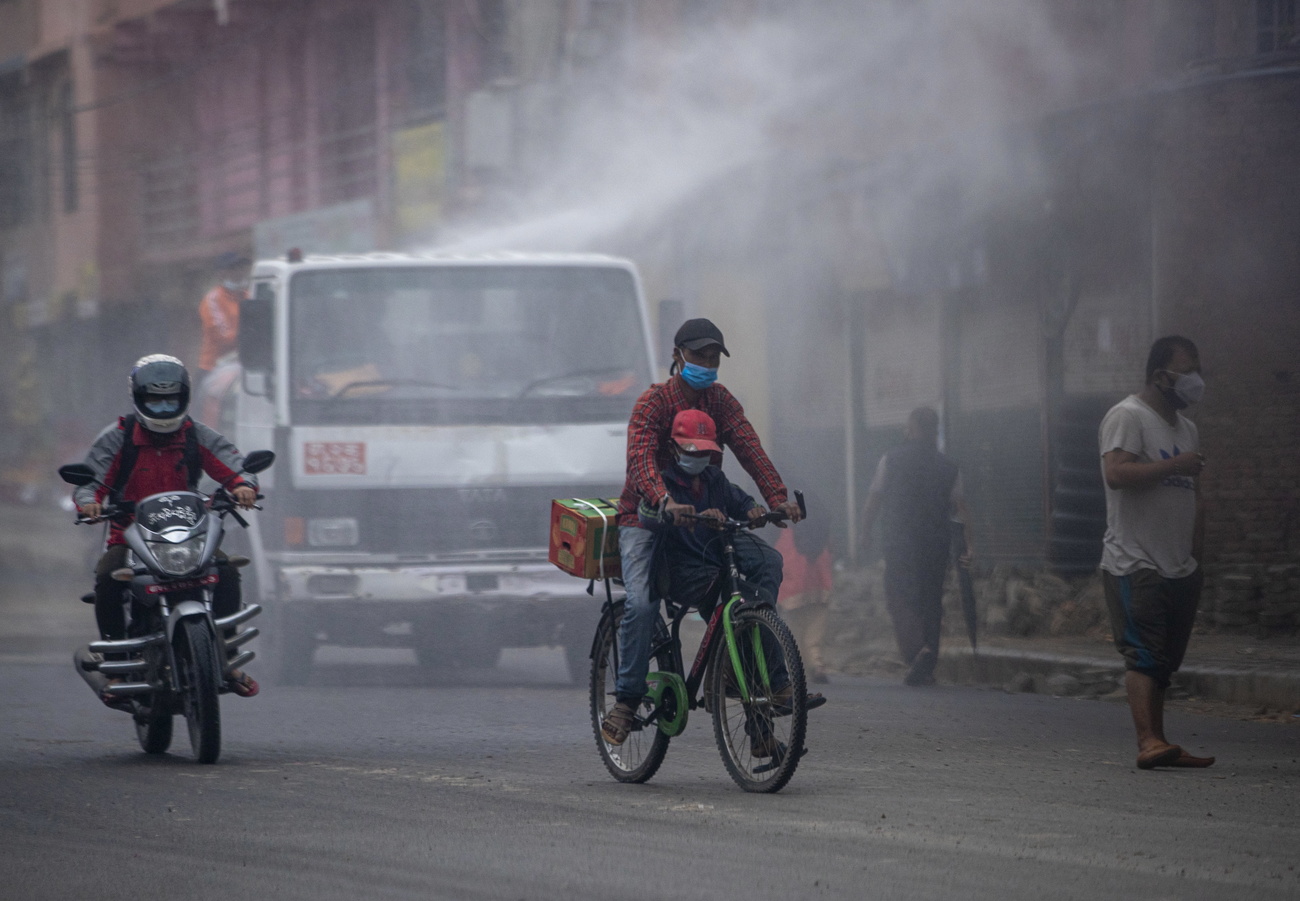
(583, 535)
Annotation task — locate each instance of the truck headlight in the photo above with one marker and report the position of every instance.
(336, 532)
(178, 559)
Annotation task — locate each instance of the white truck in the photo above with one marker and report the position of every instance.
(425, 410)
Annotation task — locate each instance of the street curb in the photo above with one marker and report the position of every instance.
(1253, 687)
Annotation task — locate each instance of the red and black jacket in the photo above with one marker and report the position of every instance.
(154, 463)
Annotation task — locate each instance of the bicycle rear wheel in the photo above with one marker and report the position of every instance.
(761, 740)
(637, 759)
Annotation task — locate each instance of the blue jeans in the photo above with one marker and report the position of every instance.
(759, 562)
(636, 551)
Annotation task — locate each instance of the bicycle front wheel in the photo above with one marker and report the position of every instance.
(761, 740)
(637, 758)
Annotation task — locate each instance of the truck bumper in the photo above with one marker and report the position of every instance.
(522, 603)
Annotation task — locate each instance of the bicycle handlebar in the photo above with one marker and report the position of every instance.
(735, 524)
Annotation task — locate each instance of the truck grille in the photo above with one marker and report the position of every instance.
(430, 520)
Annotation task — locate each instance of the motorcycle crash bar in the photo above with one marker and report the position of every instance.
(127, 645)
(239, 617)
(133, 688)
(121, 667)
(247, 635)
(87, 667)
(235, 663)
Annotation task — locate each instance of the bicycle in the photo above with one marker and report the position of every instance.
(746, 654)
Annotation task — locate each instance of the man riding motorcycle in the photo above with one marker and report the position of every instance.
(158, 448)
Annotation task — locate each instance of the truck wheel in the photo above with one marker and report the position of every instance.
(433, 651)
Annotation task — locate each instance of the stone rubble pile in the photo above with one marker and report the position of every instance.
(1250, 600)
(1262, 599)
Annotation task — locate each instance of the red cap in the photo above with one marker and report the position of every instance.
(694, 432)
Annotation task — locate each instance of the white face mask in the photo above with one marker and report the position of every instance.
(692, 466)
(1188, 388)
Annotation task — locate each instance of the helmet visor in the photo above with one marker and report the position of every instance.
(162, 406)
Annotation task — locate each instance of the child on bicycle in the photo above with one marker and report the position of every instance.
(691, 550)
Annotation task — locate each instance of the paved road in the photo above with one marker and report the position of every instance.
(375, 784)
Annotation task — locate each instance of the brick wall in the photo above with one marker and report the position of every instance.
(1227, 222)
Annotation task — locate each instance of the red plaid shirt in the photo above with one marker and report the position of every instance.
(649, 444)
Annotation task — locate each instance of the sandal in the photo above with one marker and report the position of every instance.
(618, 723)
(243, 685)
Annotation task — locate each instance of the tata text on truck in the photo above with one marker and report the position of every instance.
(425, 410)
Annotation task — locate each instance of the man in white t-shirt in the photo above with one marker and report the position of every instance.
(1154, 526)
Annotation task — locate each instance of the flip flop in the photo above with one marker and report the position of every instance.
(1187, 760)
(1161, 756)
(243, 685)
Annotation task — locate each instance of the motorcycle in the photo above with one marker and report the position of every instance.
(177, 655)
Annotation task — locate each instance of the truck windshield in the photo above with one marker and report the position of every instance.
(439, 344)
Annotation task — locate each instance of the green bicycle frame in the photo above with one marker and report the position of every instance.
(733, 649)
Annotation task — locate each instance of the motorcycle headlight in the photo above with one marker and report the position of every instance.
(178, 559)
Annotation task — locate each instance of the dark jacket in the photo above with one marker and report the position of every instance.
(917, 498)
(715, 493)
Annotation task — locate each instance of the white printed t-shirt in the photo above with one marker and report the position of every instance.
(1149, 528)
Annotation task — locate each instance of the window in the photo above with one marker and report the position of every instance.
(471, 344)
(1275, 25)
(348, 139)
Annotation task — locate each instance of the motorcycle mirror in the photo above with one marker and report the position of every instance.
(77, 474)
(258, 460)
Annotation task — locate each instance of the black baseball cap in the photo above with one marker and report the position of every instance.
(696, 334)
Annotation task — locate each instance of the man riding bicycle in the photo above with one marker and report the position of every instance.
(698, 348)
(691, 553)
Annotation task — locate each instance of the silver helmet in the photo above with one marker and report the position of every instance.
(160, 390)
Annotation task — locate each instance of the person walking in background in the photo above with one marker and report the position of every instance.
(1154, 528)
(219, 310)
(916, 490)
(805, 596)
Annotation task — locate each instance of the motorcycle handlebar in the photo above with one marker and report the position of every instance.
(107, 512)
(221, 502)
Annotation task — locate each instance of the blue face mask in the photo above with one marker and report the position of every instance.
(698, 377)
(692, 466)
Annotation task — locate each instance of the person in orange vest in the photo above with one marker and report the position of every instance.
(805, 595)
(219, 309)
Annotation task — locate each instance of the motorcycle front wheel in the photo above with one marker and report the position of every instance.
(196, 664)
(154, 731)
